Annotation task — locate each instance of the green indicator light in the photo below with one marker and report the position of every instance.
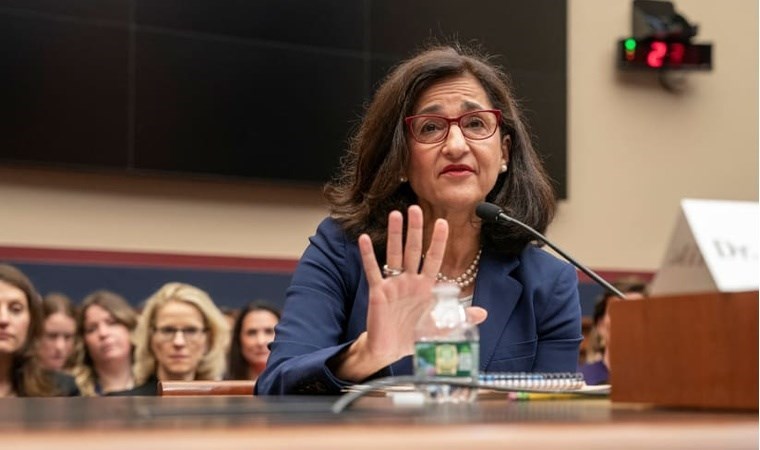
(630, 44)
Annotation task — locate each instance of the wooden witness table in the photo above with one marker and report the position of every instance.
(189, 423)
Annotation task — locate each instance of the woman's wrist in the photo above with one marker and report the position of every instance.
(357, 363)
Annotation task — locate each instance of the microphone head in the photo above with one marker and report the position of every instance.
(488, 212)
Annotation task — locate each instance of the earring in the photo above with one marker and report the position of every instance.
(403, 179)
(503, 168)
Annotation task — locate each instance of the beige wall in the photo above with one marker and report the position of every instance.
(155, 214)
(634, 151)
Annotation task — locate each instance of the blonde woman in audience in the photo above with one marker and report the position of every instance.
(181, 336)
(20, 327)
(251, 335)
(59, 345)
(106, 321)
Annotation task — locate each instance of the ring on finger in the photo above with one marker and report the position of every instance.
(390, 272)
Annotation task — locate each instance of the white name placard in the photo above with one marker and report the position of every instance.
(714, 248)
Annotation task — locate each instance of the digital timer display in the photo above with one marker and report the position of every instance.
(659, 54)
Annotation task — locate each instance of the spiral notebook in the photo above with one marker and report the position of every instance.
(532, 381)
(562, 382)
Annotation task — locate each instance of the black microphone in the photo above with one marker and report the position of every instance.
(492, 213)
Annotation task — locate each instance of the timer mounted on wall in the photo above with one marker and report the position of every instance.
(663, 54)
(662, 42)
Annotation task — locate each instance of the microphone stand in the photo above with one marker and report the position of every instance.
(583, 268)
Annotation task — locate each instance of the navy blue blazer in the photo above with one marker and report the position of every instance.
(533, 324)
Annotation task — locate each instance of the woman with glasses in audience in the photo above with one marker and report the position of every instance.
(442, 134)
(106, 321)
(21, 374)
(59, 345)
(251, 335)
(181, 336)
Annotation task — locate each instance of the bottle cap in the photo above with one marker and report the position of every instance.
(446, 290)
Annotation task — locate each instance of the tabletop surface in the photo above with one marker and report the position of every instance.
(375, 422)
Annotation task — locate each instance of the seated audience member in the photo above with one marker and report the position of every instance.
(181, 336)
(20, 328)
(106, 321)
(251, 335)
(598, 372)
(59, 345)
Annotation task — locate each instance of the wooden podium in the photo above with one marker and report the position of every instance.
(686, 351)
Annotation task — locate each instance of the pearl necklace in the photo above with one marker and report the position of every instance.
(467, 277)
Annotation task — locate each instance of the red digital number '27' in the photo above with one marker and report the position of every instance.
(658, 51)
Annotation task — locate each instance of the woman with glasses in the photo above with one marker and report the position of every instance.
(442, 134)
(106, 321)
(181, 336)
(21, 374)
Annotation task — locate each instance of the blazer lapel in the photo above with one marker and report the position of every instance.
(497, 293)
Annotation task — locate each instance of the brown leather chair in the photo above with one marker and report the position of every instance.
(199, 388)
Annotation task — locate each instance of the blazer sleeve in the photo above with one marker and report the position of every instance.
(313, 326)
(558, 314)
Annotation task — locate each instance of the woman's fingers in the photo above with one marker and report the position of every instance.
(369, 261)
(407, 255)
(413, 247)
(395, 245)
(434, 256)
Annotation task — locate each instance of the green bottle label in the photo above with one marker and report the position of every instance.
(446, 359)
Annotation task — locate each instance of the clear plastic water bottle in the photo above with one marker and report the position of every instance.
(447, 346)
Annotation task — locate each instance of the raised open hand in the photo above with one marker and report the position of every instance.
(397, 301)
(398, 295)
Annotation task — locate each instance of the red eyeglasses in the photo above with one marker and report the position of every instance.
(475, 125)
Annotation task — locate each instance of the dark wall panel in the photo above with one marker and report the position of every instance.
(528, 35)
(64, 91)
(236, 108)
(266, 89)
(328, 24)
(111, 10)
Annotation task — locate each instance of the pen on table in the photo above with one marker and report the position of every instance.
(530, 396)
